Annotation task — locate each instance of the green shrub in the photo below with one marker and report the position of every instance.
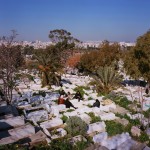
(90, 98)
(81, 145)
(134, 122)
(94, 118)
(146, 113)
(143, 137)
(64, 118)
(12, 147)
(70, 110)
(62, 144)
(111, 95)
(76, 126)
(89, 105)
(81, 89)
(114, 128)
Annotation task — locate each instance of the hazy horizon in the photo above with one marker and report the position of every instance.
(87, 20)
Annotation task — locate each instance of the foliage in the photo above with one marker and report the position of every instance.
(81, 145)
(63, 144)
(64, 42)
(123, 102)
(49, 65)
(76, 126)
(70, 110)
(143, 137)
(120, 100)
(11, 60)
(89, 105)
(146, 113)
(134, 122)
(137, 60)
(94, 118)
(107, 78)
(81, 89)
(108, 54)
(90, 98)
(64, 118)
(114, 128)
(12, 147)
(28, 50)
(61, 35)
(73, 60)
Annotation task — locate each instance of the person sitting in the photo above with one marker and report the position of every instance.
(62, 92)
(78, 96)
(69, 104)
(60, 100)
(96, 104)
(68, 95)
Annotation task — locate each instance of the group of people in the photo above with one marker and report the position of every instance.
(65, 98)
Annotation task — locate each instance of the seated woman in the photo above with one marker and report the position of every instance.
(78, 96)
(69, 104)
(97, 103)
(62, 92)
(69, 96)
(61, 100)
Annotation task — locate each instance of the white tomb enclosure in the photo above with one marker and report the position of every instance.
(40, 115)
(107, 116)
(54, 123)
(115, 141)
(85, 117)
(96, 127)
(98, 138)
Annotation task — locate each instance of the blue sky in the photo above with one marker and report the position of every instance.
(114, 20)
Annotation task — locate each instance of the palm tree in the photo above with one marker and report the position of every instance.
(106, 79)
(49, 66)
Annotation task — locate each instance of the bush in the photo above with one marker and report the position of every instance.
(134, 122)
(64, 118)
(80, 145)
(114, 128)
(94, 118)
(111, 95)
(70, 110)
(63, 144)
(143, 137)
(76, 126)
(90, 98)
(12, 147)
(81, 89)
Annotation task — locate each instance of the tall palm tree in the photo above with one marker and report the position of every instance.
(107, 78)
(49, 66)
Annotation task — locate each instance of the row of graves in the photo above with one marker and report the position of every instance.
(35, 116)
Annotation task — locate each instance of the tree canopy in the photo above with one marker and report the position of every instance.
(137, 60)
(107, 55)
(11, 59)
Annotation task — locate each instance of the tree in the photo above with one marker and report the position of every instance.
(73, 60)
(11, 59)
(107, 55)
(48, 62)
(106, 79)
(64, 42)
(28, 50)
(137, 60)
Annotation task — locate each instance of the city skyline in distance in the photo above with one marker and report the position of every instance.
(87, 20)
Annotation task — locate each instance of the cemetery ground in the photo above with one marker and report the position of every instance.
(36, 121)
